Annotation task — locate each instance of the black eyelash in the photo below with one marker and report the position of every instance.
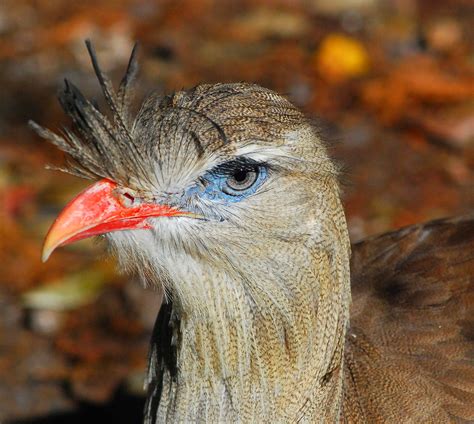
(238, 164)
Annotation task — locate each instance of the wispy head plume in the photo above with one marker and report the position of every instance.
(98, 146)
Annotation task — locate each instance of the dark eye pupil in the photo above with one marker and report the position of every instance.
(240, 176)
(241, 179)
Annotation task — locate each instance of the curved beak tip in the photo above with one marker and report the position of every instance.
(45, 254)
(49, 245)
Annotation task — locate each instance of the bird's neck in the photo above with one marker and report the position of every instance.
(251, 354)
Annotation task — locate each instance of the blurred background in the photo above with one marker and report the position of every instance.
(389, 82)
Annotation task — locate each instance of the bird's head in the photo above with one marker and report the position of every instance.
(214, 185)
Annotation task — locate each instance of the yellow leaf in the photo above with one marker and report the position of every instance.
(340, 57)
(70, 292)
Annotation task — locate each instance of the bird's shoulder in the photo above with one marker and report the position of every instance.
(410, 347)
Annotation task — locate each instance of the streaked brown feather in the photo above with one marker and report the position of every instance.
(409, 351)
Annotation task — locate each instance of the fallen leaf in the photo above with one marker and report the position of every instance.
(340, 57)
(70, 292)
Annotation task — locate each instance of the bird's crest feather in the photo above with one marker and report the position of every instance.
(98, 146)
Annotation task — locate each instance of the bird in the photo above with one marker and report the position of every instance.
(225, 198)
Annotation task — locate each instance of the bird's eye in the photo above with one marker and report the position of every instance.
(232, 181)
(241, 180)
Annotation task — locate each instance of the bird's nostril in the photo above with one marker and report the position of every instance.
(127, 199)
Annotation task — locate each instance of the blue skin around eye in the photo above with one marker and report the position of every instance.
(216, 183)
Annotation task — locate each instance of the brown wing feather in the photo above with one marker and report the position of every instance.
(410, 348)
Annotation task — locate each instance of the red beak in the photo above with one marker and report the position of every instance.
(98, 210)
